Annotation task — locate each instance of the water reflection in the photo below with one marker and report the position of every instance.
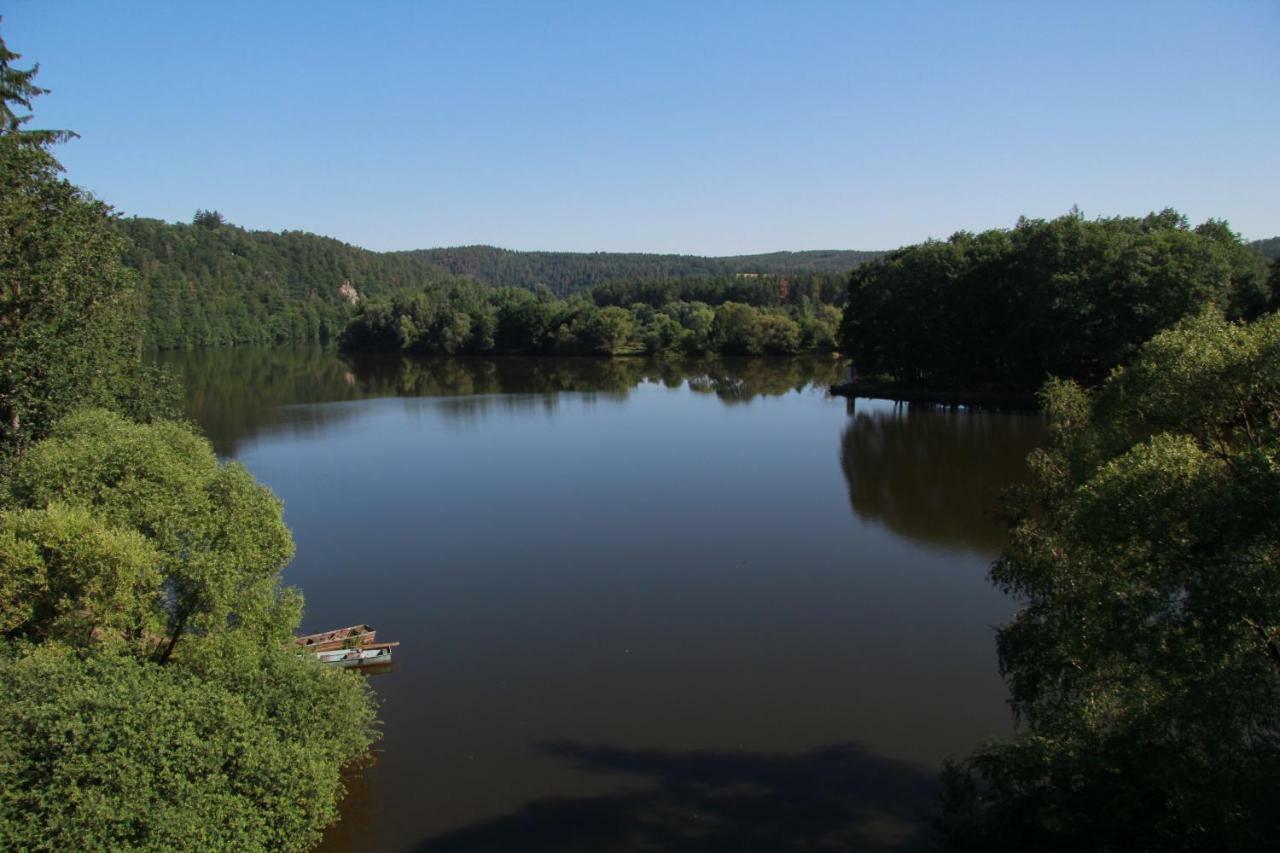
(936, 474)
(650, 623)
(237, 393)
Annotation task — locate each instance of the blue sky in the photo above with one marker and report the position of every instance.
(700, 127)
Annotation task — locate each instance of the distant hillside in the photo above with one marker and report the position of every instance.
(214, 284)
(567, 272)
(1270, 247)
(211, 283)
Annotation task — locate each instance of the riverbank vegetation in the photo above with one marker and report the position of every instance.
(211, 283)
(1069, 298)
(149, 695)
(737, 316)
(1144, 662)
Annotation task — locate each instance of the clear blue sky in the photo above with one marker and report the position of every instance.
(710, 128)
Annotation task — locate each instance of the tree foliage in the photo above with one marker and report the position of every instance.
(219, 536)
(469, 318)
(68, 331)
(118, 538)
(105, 752)
(565, 273)
(211, 283)
(17, 90)
(1145, 659)
(1269, 248)
(66, 575)
(1068, 297)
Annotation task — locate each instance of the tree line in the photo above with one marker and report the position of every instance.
(468, 318)
(151, 697)
(564, 273)
(1269, 248)
(211, 283)
(1067, 297)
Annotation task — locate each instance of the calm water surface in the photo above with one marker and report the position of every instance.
(643, 606)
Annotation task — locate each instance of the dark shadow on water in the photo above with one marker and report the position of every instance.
(838, 797)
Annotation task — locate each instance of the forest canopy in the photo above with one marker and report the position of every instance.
(1067, 297)
(212, 283)
(564, 273)
(776, 314)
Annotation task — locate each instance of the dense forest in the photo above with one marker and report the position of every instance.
(211, 283)
(1068, 297)
(1268, 248)
(567, 272)
(151, 696)
(762, 314)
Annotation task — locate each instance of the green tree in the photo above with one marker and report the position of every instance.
(208, 219)
(737, 329)
(700, 321)
(65, 575)
(611, 331)
(1066, 297)
(220, 535)
(18, 90)
(114, 533)
(108, 740)
(1144, 662)
(110, 752)
(779, 334)
(663, 334)
(68, 317)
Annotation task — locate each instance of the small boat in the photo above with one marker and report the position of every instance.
(375, 655)
(339, 638)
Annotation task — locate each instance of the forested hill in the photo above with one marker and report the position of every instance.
(211, 283)
(567, 272)
(1269, 247)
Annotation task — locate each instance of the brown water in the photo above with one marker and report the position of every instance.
(643, 606)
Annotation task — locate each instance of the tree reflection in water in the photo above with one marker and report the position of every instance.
(236, 393)
(935, 474)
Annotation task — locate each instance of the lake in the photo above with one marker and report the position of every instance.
(643, 605)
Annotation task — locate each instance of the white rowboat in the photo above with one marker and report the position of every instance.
(368, 656)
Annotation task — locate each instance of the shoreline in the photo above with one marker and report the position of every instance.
(986, 399)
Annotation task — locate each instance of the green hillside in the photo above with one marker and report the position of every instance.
(567, 272)
(214, 284)
(211, 283)
(1269, 247)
